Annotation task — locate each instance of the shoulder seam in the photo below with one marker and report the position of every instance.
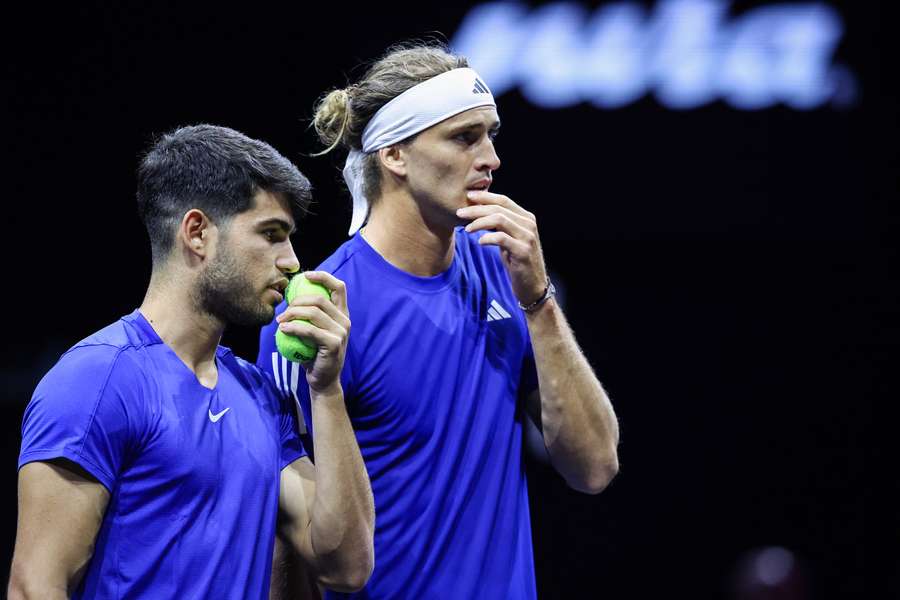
(344, 261)
(102, 389)
(120, 349)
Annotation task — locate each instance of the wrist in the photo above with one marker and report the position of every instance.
(549, 292)
(331, 390)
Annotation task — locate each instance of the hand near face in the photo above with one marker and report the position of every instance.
(328, 327)
(515, 231)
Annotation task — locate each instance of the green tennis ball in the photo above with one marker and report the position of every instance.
(291, 347)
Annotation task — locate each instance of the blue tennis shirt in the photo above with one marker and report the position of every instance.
(432, 379)
(193, 473)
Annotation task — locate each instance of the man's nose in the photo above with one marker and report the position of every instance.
(287, 261)
(489, 158)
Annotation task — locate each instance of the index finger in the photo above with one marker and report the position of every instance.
(481, 197)
(337, 287)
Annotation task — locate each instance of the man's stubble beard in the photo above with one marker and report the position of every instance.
(226, 294)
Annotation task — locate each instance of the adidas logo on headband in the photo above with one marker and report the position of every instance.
(480, 88)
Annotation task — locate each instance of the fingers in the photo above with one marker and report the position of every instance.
(489, 198)
(324, 323)
(514, 212)
(337, 287)
(309, 306)
(492, 217)
(518, 228)
(515, 247)
(514, 230)
(323, 338)
(314, 324)
(335, 322)
(315, 317)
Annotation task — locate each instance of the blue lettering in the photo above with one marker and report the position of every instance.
(687, 53)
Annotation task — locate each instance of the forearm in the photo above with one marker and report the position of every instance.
(290, 575)
(343, 513)
(32, 586)
(578, 422)
(37, 575)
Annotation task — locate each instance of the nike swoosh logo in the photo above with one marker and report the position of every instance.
(215, 418)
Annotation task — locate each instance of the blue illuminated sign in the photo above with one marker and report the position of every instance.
(687, 53)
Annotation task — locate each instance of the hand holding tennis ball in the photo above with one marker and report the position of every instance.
(292, 347)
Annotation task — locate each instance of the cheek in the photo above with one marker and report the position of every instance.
(448, 173)
(250, 265)
(444, 163)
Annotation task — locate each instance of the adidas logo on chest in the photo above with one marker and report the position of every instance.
(496, 312)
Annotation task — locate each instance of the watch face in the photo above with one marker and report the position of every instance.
(549, 291)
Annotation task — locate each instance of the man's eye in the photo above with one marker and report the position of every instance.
(468, 137)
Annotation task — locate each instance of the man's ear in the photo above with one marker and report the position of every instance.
(196, 233)
(393, 158)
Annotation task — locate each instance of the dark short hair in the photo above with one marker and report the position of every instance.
(215, 169)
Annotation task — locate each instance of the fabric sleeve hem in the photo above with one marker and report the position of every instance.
(289, 456)
(46, 454)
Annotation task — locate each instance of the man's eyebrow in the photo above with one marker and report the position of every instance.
(476, 125)
(290, 228)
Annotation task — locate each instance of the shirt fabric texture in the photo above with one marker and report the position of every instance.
(434, 377)
(193, 473)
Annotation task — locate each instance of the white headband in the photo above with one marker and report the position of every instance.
(415, 110)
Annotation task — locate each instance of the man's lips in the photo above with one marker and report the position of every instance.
(480, 185)
(279, 287)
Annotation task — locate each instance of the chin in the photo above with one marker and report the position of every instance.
(260, 316)
(267, 313)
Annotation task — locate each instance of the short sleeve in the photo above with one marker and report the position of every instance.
(83, 410)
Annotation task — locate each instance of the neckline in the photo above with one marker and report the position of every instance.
(432, 284)
(149, 333)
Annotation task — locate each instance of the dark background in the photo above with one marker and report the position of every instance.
(731, 275)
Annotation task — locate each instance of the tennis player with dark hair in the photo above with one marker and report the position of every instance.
(157, 464)
(457, 336)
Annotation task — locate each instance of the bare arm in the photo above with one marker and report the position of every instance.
(61, 508)
(291, 578)
(578, 423)
(571, 408)
(327, 510)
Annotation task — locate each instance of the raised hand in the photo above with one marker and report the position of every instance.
(328, 327)
(515, 231)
